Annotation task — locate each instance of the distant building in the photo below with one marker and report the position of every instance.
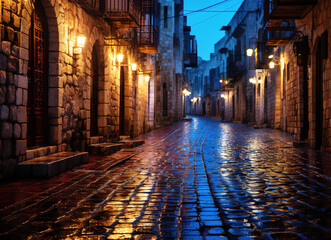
(284, 83)
(170, 70)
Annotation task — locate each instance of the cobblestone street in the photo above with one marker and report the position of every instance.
(199, 179)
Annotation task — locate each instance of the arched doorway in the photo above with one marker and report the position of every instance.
(94, 91)
(37, 111)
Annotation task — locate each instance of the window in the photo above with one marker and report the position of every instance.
(165, 16)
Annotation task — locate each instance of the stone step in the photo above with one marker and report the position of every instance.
(51, 165)
(96, 139)
(124, 137)
(104, 148)
(132, 143)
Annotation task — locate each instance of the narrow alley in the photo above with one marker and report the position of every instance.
(199, 179)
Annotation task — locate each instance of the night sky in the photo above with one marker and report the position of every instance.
(206, 25)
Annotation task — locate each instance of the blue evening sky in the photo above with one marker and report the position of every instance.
(206, 25)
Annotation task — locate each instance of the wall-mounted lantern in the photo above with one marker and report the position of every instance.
(147, 77)
(249, 52)
(252, 80)
(120, 58)
(186, 92)
(80, 43)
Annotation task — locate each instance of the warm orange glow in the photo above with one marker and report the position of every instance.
(186, 92)
(252, 80)
(147, 78)
(81, 41)
(134, 67)
(120, 58)
(272, 64)
(249, 52)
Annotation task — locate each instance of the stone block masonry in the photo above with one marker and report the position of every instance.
(70, 78)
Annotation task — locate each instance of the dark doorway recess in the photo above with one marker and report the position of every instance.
(37, 108)
(165, 100)
(305, 128)
(266, 113)
(122, 102)
(94, 92)
(319, 94)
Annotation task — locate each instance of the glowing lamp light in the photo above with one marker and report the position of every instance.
(272, 64)
(186, 92)
(260, 81)
(282, 62)
(222, 96)
(120, 58)
(271, 56)
(221, 80)
(249, 52)
(81, 41)
(147, 78)
(134, 67)
(252, 81)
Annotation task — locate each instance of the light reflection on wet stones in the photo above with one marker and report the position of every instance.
(207, 180)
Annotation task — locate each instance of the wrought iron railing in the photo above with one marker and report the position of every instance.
(148, 38)
(117, 8)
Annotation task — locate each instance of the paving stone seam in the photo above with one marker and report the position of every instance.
(108, 199)
(35, 196)
(183, 181)
(84, 200)
(222, 214)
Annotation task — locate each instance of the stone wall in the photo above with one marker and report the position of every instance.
(169, 74)
(69, 78)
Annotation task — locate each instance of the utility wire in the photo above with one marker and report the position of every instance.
(219, 12)
(196, 11)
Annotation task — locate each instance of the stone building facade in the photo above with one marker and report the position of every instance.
(170, 66)
(57, 95)
(293, 95)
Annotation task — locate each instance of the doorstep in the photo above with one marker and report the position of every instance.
(50, 165)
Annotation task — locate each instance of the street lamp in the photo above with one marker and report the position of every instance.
(186, 92)
(272, 64)
(249, 52)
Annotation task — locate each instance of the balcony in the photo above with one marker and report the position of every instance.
(122, 13)
(261, 55)
(148, 37)
(190, 59)
(277, 37)
(190, 51)
(235, 65)
(277, 10)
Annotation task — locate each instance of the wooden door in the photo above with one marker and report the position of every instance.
(122, 102)
(94, 92)
(37, 111)
(319, 96)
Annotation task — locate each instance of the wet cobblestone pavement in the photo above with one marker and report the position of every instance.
(202, 179)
